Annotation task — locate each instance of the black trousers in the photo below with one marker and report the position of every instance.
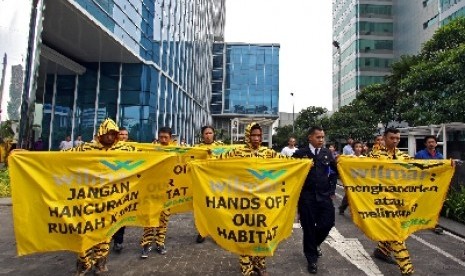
(118, 237)
(317, 219)
(344, 203)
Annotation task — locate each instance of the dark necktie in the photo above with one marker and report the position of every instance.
(316, 151)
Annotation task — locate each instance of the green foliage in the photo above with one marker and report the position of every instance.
(454, 205)
(5, 188)
(281, 136)
(445, 38)
(6, 131)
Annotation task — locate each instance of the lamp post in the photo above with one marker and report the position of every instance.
(292, 95)
(338, 47)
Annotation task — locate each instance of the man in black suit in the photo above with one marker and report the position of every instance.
(316, 207)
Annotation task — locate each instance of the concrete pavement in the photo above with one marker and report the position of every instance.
(346, 252)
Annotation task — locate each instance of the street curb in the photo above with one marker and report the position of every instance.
(5, 201)
(452, 226)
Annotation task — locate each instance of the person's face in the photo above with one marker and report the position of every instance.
(208, 135)
(431, 144)
(350, 141)
(358, 148)
(164, 138)
(317, 138)
(123, 135)
(256, 138)
(79, 138)
(331, 148)
(379, 140)
(391, 140)
(68, 138)
(291, 142)
(108, 139)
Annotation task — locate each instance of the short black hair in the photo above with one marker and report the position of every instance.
(165, 130)
(256, 126)
(122, 128)
(206, 127)
(392, 130)
(357, 142)
(313, 129)
(427, 137)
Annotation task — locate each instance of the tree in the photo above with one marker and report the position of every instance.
(281, 136)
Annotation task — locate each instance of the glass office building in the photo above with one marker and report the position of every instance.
(372, 34)
(245, 84)
(144, 63)
(363, 34)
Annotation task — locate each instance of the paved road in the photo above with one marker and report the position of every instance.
(346, 252)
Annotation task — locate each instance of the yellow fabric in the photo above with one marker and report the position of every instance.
(94, 193)
(262, 192)
(107, 126)
(179, 194)
(390, 199)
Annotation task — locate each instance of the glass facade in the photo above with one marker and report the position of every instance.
(363, 52)
(144, 63)
(246, 78)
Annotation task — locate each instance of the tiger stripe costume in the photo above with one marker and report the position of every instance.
(157, 234)
(97, 254)
(398, 248)
(252, 265)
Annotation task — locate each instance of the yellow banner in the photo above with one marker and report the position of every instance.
(74, 200)
(391, 199)
(179, 194)
(247, 205)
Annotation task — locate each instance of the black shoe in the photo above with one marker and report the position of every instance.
(319, 252)
(438, 230)
(101, 266)
(145, 251)
(378, 254)
(199, 239)
(118, 247)
(312, 268)
(161, 249)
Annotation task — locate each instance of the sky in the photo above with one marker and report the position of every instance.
(303, 28)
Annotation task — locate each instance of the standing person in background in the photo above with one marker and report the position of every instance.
(164, 138)
(316, 207)
(348, 150)
(365, 149)
(333, 151)
(118, 237)
(208, 141)
(66, 144)
(107, 141)
(398, 248)
(378, 143)
(358, 149)
(430, 152)
(123, 134)
(78, 140)
(290, 149)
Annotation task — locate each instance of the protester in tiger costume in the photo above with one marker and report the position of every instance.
(398, 248)
(107, 141)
